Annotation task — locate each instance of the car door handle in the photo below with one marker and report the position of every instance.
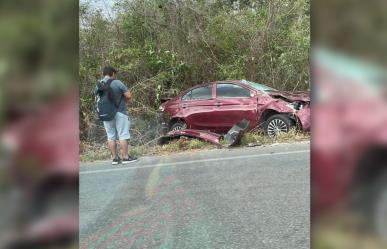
(218, 104)
(184, 106)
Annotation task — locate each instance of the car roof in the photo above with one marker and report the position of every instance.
(215, 82)
(227, 81)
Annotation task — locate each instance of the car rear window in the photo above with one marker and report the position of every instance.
(258, 86)
(231, 91)
(199, 93)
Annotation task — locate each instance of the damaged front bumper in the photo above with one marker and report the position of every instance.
(232, 137)
(163, 122)
(303, 116)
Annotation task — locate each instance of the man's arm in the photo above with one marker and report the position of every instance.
(128, 96)
(125, 91)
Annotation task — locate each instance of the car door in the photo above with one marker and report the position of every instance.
(198, 106)
(234, 103)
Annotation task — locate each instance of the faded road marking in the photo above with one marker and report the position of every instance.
(152, 182)
(192, 162)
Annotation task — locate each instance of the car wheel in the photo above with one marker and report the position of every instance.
(277, 124)
(179, 125)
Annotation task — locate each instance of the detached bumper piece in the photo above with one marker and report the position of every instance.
(233, 136)
(207, 136)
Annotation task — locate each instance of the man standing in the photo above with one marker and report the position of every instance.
(117, 129)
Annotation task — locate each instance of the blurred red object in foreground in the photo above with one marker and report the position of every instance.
(349, 145)
(44, 167)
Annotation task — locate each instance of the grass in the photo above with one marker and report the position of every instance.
(94, 152)
(259, 138)
(178, 145)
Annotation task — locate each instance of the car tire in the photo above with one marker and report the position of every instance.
(278, 123)
(179, 125)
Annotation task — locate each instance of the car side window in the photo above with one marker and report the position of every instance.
(200, 93)
(187, 96)
(231, 91)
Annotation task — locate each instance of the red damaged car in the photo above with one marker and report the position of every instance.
(217, 106)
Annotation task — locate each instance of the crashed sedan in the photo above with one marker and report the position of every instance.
(217, 106)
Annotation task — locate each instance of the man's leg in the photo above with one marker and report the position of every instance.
(110, 127)
(113, 148)
(124, 148)
(122, 126)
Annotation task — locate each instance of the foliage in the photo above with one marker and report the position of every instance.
(94, 151)
(161, 47)
(255, 138)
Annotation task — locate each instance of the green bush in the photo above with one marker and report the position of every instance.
(161, 47)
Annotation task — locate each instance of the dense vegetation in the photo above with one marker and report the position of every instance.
(161, 47)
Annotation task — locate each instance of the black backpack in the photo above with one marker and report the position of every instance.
(106, 106)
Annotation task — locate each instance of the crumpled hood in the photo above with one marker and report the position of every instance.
(291, 96)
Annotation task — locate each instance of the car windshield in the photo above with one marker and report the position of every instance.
(258, 86)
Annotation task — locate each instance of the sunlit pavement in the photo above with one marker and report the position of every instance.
(241, 198)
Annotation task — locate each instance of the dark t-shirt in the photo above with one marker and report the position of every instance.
(119, 89)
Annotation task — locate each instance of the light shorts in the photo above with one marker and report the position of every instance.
(118, 128)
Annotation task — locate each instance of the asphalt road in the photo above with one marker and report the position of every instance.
(241, 198)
